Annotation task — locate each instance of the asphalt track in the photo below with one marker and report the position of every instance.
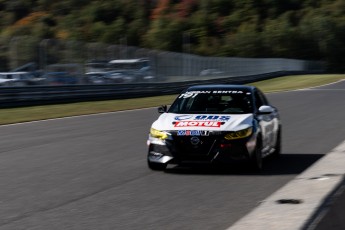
(90, 172)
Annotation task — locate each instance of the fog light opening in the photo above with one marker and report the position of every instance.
(155, 154)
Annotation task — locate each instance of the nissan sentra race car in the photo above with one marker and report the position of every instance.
(215, 123)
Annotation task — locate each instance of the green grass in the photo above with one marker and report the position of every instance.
(297, 82)
(16, 115)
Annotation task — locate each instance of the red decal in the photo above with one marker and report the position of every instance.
(197, 124)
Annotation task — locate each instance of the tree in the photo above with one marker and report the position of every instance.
(327, 33)
(165, 34)
(246, 42)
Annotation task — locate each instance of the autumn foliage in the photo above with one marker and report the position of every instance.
(249, 28)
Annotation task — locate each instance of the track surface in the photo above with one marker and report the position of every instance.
(90, 172)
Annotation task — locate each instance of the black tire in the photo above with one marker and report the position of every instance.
(156, 166)
(257, 161)
(278, 146)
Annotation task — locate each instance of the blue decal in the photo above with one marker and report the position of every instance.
(224, 118)
(212, 117)
(193, 133)
(183, 117)
(201, 117)
(181, 133)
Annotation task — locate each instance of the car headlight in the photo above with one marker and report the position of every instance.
(158, 134)
(239, 134)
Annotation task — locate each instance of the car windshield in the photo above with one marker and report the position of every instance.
(213, 102)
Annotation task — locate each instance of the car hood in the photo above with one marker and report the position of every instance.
(215, 122)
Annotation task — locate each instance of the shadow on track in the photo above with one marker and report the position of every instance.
(286, 164)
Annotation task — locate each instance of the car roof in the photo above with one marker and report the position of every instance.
(221, 87)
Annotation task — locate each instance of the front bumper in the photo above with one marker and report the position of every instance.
(200, 149)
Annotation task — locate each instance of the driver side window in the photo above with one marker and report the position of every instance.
(258, 100)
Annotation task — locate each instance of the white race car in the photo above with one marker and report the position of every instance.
(215, 123)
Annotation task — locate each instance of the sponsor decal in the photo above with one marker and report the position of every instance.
(197, 124)
(192, 94)
(183, 117)
(212, 118)
(228, 92)
(202, 118)
(193, 133)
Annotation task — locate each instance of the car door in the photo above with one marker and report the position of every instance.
(267, 123)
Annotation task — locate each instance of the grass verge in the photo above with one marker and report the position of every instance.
(16, 115)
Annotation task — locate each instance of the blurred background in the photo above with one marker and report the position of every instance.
(123, 41)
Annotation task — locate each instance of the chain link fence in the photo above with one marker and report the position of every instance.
(79, 59)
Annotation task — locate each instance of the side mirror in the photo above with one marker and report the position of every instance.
(266, 109)
(162, 109)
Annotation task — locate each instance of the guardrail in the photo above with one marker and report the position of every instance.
(41, 95)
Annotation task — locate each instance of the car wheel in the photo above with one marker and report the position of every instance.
(156, 166)
(256, 160)
(277, 147)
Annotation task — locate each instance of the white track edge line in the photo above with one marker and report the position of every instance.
(129, 110)
(333, 83)
(306, 89)
(76, 116)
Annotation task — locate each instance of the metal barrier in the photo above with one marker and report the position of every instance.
(74, 58)
(42, 95)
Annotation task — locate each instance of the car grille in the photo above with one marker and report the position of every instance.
(196, 148)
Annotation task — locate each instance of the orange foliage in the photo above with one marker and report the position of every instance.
(166, 9)
(62, 34)
(31, 18)
(161, 9)
(185, 7)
